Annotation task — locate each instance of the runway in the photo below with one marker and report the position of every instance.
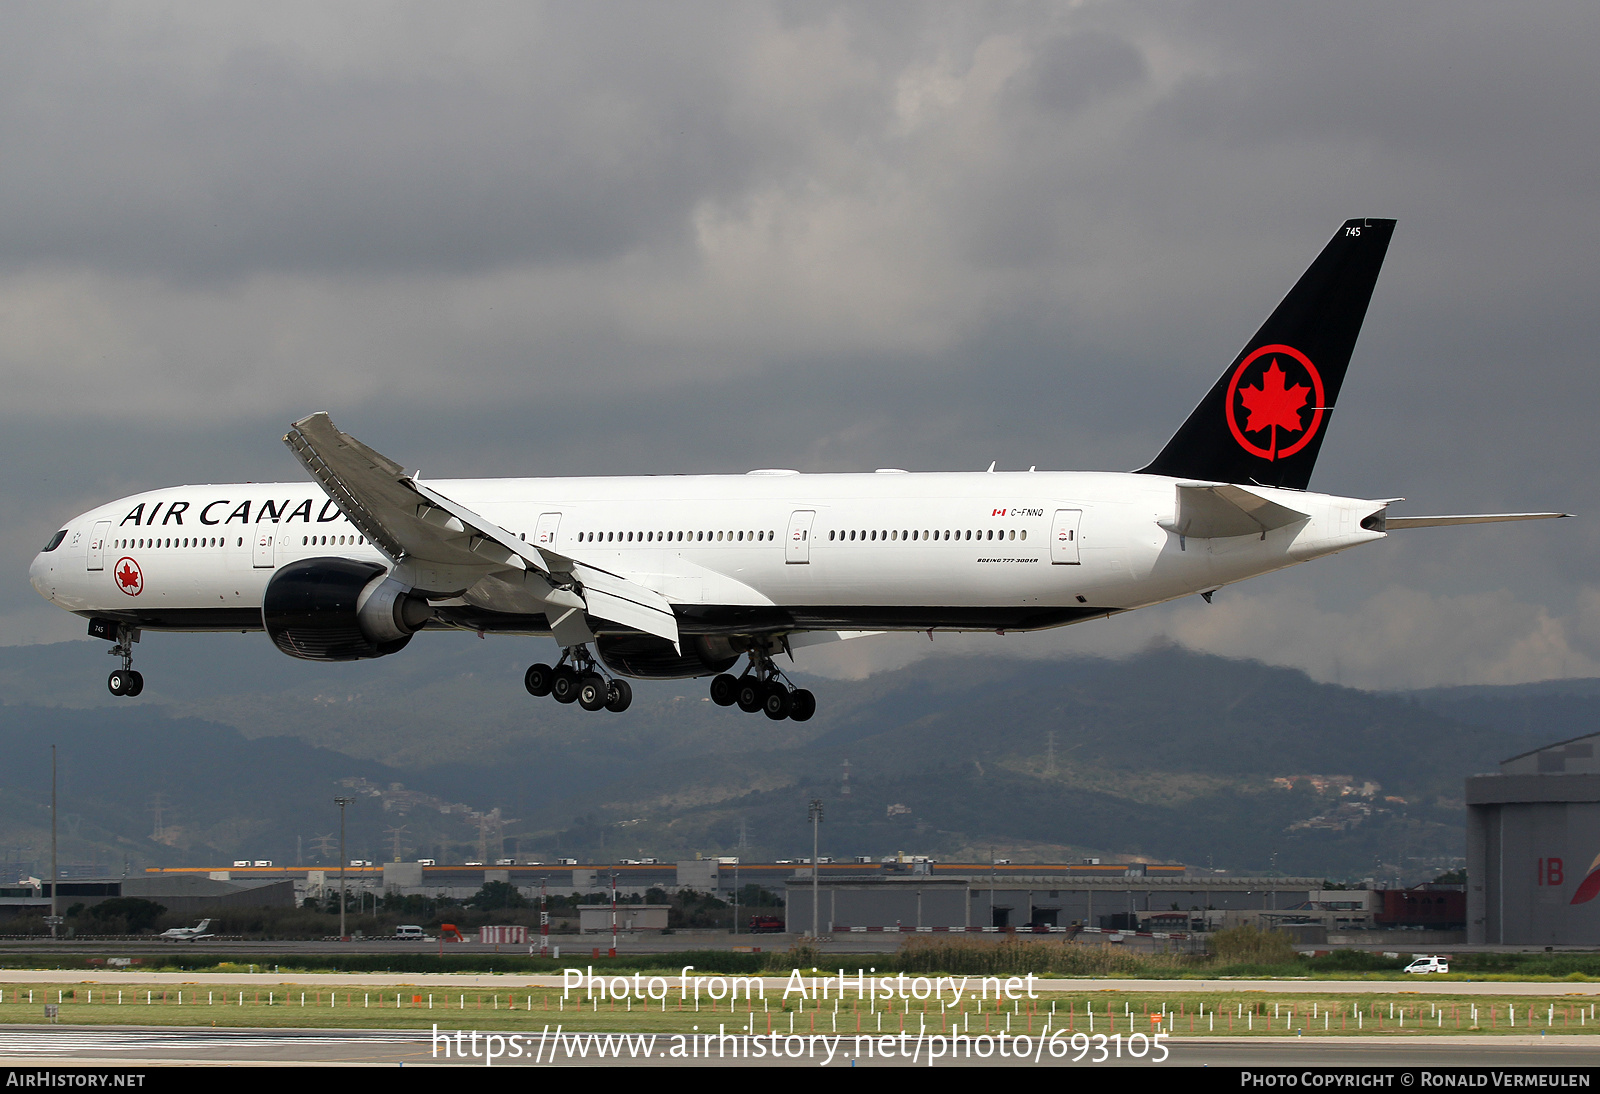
(23, 1046)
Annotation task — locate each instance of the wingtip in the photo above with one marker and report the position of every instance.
(311, 418)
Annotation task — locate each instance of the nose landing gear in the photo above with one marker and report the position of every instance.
(763, 687)
(125, 682)
(581, 682)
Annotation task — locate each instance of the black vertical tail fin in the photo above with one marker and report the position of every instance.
(1264, 420)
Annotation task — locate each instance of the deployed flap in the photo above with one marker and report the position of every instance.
(801, 639)
(609, 596)
(1389, 524)
(1214, 512)
(408, 520)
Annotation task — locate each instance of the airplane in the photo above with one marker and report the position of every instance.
(673, 576)
(188, 934)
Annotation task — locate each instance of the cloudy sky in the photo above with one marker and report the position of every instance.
(630, 238)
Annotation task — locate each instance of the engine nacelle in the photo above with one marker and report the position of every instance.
(339, 609)
(650, 658)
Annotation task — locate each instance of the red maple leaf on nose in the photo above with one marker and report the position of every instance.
(1274, 404)
(128, 577)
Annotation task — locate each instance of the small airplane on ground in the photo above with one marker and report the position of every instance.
(188, 934)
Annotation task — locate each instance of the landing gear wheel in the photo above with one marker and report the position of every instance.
(564, 685)
(124, 681)
(593, 691)
(750, 695)
(777, 703)
(725, 690)
(804, 705)
(538, 679)
(621, 695)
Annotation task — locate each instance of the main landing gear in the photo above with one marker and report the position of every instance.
(763, 687)
(581, 682)
(124, 681)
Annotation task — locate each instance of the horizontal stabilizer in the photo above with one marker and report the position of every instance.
(1390, 524)
(1214, 512)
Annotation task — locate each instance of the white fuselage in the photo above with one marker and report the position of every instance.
(766, 552)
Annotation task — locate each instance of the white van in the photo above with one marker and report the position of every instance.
(410, 932)
(1429, 964)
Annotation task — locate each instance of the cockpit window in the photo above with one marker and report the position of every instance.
(55, 540)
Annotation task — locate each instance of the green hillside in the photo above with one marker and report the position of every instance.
(1170, 755)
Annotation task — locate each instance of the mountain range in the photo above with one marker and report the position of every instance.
(235, 752)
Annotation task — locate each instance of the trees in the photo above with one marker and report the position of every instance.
(496, 895)
(124, 915)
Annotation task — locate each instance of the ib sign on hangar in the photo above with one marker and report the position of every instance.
(1533, 848)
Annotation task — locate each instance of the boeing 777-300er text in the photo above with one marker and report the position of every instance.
(661, 577)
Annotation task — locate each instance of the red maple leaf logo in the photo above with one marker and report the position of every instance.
(129, 580)
(1273, 404)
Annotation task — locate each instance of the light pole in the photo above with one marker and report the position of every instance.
(816, 820)
(55, 874)
(341, 803)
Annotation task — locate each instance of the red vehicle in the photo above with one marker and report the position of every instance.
(765, 924)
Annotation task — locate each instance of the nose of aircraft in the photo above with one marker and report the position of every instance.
(40, 577)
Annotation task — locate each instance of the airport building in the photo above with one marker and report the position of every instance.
(180, 894)
(1533, 848)
(1042, 898)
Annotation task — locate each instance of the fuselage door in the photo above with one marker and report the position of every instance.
(544, 534)
(797, 546)
(266, 537)
(97, 545)
(1064, 537)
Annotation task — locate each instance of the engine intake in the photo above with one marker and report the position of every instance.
(339, 609)
(650, 658)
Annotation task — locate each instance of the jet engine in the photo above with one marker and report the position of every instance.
(339, 609)
(650, 658)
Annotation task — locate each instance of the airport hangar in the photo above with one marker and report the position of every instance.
(1533, 848)
(1004, 894)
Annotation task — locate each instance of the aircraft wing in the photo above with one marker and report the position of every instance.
(407, 520)
(1392, 523)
